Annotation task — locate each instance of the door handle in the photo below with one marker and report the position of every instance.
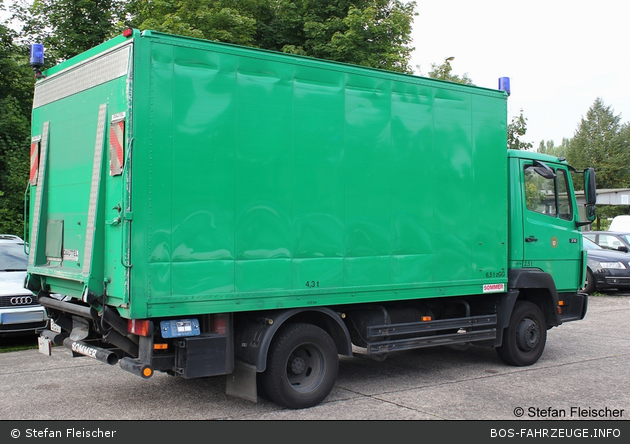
(531, 239)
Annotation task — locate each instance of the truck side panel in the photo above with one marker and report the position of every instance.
(270, 181)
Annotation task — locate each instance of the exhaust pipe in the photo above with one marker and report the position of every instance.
(98, 353)
(66, 307)
(121, 342)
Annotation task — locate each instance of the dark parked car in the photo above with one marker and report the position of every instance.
(20, 314)
(611, 240)
(606, 269)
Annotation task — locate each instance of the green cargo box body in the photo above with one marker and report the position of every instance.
(257, 180)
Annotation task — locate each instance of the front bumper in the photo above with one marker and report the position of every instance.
(574, 306)
(608, 279)
(23, 320)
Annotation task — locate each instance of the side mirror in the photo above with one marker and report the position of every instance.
(590, 191)
(543, 170)
(591, 214)
(623, 248)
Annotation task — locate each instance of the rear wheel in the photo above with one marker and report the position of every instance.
(524, 339)
(302, 365)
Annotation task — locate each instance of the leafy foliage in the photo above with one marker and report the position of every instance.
(516, 130)
(445, 72)
(374, 33)
(16, 83)
(69, 27)
(551, 149)
(222, 20)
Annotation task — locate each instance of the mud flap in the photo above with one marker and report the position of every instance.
(241, 383)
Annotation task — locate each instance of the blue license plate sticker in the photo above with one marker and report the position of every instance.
(177, 328)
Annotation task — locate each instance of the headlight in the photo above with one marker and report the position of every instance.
(617, 265)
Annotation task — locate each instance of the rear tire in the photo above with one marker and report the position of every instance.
(524, 339)
(302, 365)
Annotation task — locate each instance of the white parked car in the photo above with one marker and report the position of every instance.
(20, 314)
(620, 223)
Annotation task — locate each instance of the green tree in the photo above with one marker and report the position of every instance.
(69, 27)
(445, 72)
(16, 89)
(602, 142)
(516, 130)
(374, 33)
(229, 21)
(549, 147)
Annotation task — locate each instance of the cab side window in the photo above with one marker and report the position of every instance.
(548, 196)
(564, 203)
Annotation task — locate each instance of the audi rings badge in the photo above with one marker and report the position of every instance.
(22, 300)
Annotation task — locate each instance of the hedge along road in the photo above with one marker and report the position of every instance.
(581, 375)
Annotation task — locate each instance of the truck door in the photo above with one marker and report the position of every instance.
(551, 241)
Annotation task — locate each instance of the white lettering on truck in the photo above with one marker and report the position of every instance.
(84, 350)
(490, 288)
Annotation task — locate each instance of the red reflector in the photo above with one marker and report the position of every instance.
(128, 32)
(219, 323)
(140, 327)
(34, 163)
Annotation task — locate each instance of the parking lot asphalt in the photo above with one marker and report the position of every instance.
(582, 375)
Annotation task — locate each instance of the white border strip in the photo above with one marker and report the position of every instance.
(88, 74)
(38, 195)
(94, 189)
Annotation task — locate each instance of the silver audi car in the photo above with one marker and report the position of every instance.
(20, 314)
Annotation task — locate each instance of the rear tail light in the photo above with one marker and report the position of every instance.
(140, 327)
(219, 323)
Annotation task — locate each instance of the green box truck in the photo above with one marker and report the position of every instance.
(211, 209)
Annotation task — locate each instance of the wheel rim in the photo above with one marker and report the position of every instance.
(585, 283)
(305, 367)
(527, 334)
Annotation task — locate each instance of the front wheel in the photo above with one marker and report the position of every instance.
(302, 365)
(589, 282)
(524, 339)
